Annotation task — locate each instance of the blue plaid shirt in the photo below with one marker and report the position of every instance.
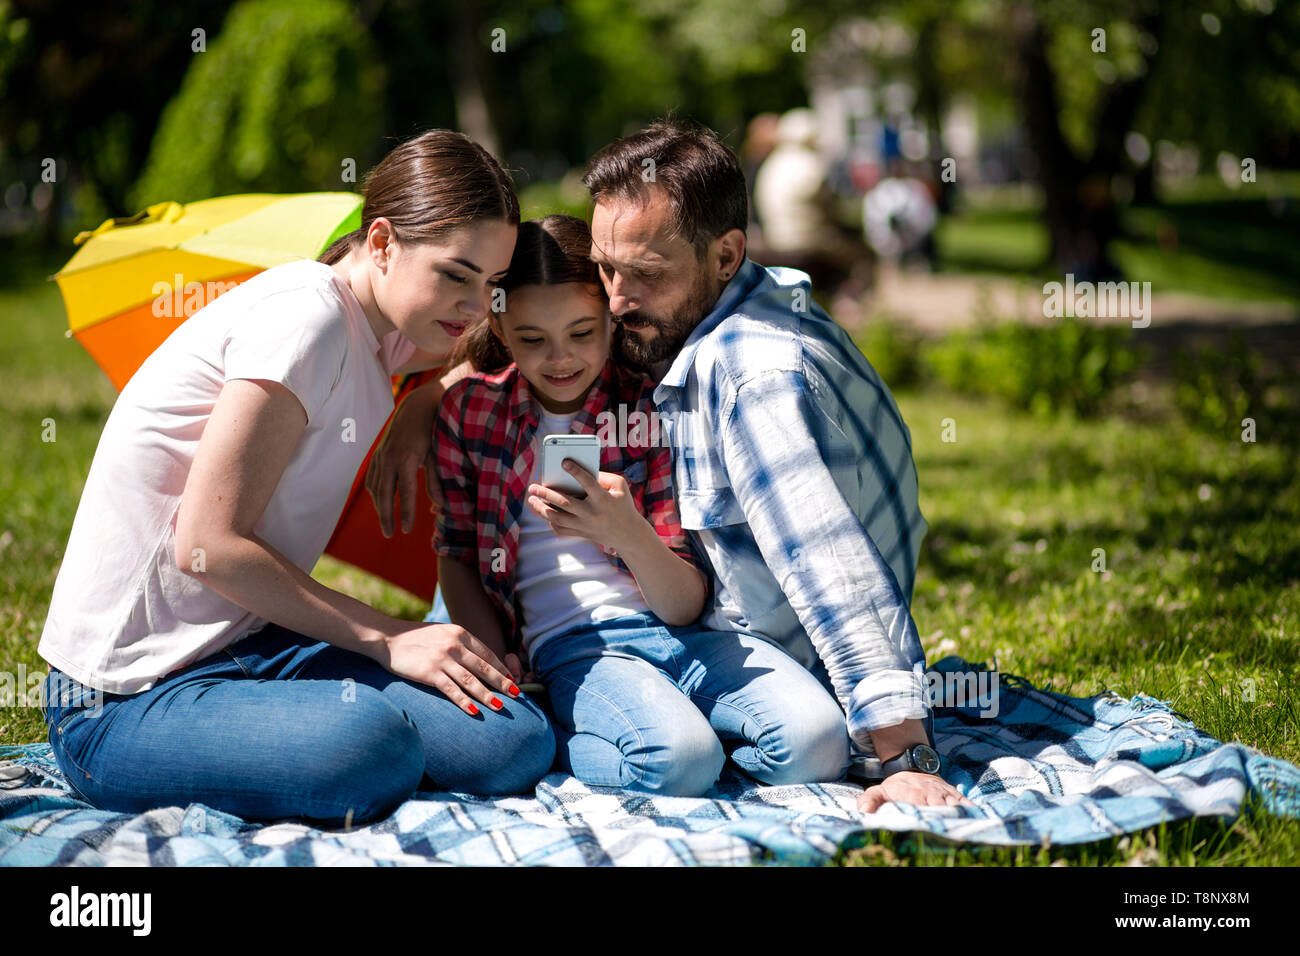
(794, 476)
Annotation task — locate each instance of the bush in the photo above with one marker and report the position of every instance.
(893, 350)
(1065, 367)
(285, 92)
(1215, 388)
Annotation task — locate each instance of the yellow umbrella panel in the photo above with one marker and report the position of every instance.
(133, 281)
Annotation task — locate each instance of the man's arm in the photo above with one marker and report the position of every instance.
(830, 570)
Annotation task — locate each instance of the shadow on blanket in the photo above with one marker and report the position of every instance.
(1046, 768)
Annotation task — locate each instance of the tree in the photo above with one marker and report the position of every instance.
(85, 86)
(279, 102)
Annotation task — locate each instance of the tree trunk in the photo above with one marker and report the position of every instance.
(467, 53)
(1079, 206)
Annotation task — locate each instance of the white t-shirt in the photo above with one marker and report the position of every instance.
(122, 614)
(786, 189)
(565, 582)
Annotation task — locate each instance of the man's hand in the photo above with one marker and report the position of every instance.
(914, 787)
(407, 446)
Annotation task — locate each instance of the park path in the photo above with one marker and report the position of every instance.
(934, 304)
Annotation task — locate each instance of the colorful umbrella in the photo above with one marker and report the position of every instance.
(134, 280)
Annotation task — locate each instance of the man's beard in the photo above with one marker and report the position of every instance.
(672, 331)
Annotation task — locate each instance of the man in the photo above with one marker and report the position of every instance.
(792, 465)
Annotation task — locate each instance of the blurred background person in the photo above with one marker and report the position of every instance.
(796, 210)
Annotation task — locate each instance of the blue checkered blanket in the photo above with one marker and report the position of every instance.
(1047, 769)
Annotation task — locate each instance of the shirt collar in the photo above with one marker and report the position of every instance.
(742, 284)
(521, 399)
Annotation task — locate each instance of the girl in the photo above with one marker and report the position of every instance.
(601, 591)
(193, 658)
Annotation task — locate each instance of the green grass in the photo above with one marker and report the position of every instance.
(1202, 588)
(1201, 534)
(1203, 239)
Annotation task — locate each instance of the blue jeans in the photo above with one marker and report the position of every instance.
(280, 725)
(644, 706)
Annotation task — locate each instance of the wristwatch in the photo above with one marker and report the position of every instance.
(919, 757)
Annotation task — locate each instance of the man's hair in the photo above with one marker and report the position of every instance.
(700, 175)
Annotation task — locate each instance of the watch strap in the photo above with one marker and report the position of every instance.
(907, 761)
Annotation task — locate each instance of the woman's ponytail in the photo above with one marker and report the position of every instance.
(430, 186)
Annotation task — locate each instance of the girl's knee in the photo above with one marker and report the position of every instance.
(680, 760)
(811, 746)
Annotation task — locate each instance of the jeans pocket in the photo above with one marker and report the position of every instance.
(65, 742)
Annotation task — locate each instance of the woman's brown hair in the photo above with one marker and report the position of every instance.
(430, 186)
(549, 251)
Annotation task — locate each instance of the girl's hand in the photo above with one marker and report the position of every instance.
(452, 660)
(516, 668)
(608, 516)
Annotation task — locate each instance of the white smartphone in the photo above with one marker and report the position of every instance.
(556, 449)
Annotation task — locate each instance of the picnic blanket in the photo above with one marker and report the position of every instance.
(1047, 768)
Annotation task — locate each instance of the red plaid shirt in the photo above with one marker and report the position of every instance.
(486, 442)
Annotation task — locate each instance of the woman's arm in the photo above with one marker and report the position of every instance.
(673, 588)
(246, 445)
(407, 446)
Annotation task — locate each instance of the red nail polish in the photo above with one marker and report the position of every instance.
(497, 704)
(473, 710)
(514, 691)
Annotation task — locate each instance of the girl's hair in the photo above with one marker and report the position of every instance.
(430, 186)
(549, 251)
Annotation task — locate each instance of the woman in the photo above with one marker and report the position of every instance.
(193, 658)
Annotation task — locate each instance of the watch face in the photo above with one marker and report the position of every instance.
(926, 758)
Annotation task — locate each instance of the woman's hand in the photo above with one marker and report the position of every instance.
(452, 660)
(407, 446)
(608, 516)
(914, 787)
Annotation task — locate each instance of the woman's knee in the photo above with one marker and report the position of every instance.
(370, 760)
(523, 751)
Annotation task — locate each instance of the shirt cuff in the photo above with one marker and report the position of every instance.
(885, 699)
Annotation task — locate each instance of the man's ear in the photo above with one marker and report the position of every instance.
(727, 253)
